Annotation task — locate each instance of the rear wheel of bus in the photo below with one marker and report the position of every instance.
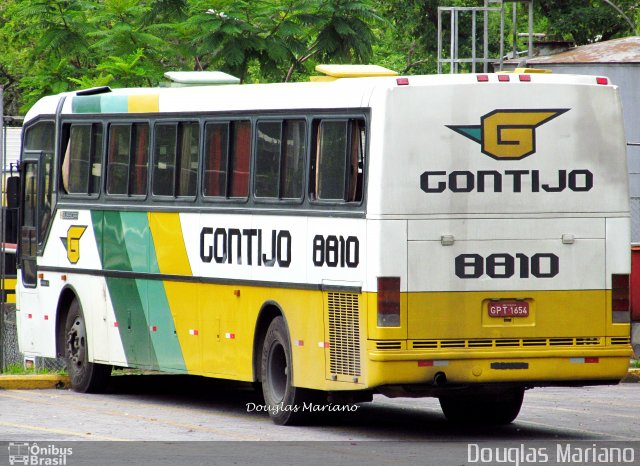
(86, 377)
(489, 408)
(288, 405)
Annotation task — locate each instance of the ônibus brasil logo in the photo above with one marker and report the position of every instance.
(508, 134)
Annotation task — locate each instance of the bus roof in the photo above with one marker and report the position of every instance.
(341, 93)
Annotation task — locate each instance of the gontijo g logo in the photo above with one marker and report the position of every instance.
(508, 134)
(71, 242)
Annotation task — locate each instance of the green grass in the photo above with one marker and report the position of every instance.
(18, 369)
(635, 364)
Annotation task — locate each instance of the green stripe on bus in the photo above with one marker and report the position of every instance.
(152, 293)
(114, 104)
(126, 298)
(85, 104)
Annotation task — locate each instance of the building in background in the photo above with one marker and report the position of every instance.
(12, 142)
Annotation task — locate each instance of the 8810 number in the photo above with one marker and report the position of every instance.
(541, 265)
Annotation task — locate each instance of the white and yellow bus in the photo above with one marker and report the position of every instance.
(462, 237)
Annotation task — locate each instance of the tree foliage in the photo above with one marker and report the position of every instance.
(52, 46)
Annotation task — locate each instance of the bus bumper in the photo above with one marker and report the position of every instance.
(526, 366)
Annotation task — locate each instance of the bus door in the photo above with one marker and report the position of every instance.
(28, 236)
(35, 210)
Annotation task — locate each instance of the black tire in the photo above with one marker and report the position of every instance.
(286, 403)
(86, 377)
(483, 408)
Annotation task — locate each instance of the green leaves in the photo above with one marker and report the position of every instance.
(586, 21)
(57, 45)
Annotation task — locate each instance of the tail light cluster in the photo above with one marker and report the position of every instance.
(388, 301)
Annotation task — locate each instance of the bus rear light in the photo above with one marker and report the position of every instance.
(588, 360)
(402, 81)
(503, 78)
(525, 78)
(388, 301)
(620, 302)
(483, 78)
(602, 81)
(433, 362)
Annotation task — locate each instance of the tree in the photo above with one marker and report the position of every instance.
(51, 46)
(587, 21)
(47, 40)
(278, 38)
(341, 31)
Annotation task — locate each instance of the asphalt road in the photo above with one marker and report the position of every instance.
(199, 421)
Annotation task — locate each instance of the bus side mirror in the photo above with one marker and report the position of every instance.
(13, 192)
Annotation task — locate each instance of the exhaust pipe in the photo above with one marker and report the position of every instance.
(440, 379)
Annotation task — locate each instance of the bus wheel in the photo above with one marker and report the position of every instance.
(285, 402)
(483, 408)
(86, 377)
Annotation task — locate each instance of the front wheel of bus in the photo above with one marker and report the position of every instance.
(86, 377)
(483, 408)
(286, 403)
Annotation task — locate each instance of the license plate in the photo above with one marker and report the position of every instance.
(508, 309)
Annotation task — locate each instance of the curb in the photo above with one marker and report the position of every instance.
(32, 382)
(633, 376)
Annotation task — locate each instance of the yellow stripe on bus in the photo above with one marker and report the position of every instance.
(145, 103)
(171, 254)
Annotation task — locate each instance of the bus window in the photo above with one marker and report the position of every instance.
(279, 159)
(81, 168)
(118, 159)
(188, 159)
(165, 159)
(127, 159)
(227, 155)
(355, 169)
(269, 142)
(338, 169)
(175, 170)
(215, 159)
(139, 159)
(239, 159)
(292, 170)
(41, 138)
(46, 202)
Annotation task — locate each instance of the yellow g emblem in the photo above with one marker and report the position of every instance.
(72, 242)
(508, 134)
